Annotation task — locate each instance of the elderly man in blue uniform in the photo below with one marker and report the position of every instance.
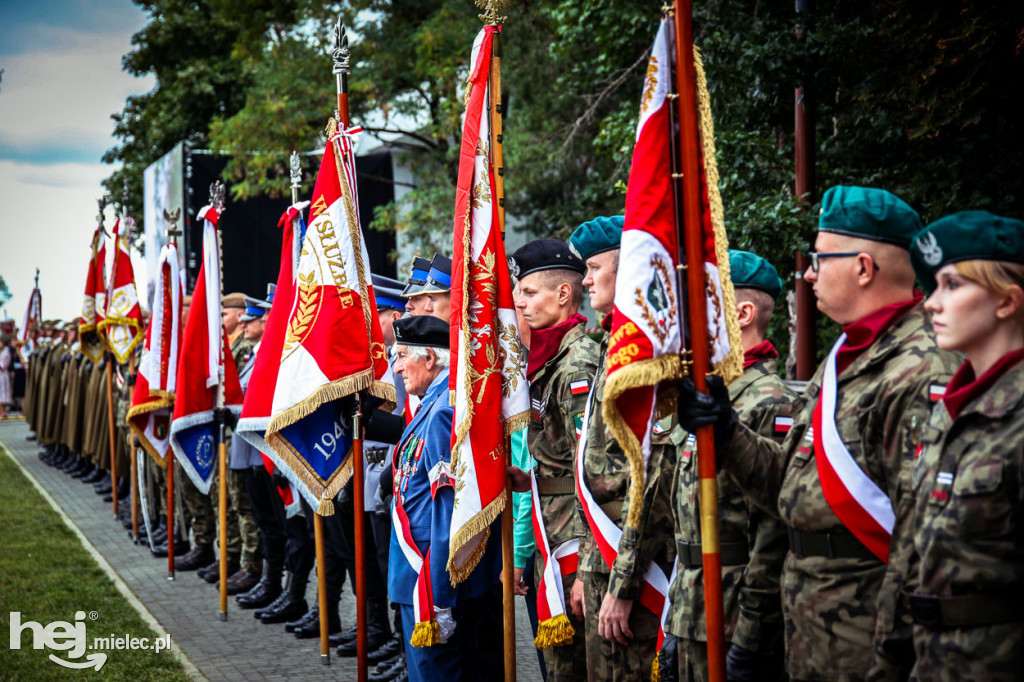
(444, 636)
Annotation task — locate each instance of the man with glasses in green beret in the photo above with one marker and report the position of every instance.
(838, 478)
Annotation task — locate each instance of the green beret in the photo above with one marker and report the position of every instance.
(750, 271)
(868, 213)
(969, 235)
(597, 236)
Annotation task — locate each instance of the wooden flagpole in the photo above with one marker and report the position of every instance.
(172, 236)
(133, 460)
(220, 416)
(341, 69)
(111, 431)
(688, 214)
(492, 16)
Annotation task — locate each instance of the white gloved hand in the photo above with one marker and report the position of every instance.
(445, 623)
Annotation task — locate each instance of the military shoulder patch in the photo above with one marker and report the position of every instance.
(578, 421)
(783, 424)
(936, 392)
(579, 387)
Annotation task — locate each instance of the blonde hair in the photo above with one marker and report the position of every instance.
(996, 276)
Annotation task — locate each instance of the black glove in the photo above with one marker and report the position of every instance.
(743, 665)
(668, 659)
(280, 480)
(698, 409)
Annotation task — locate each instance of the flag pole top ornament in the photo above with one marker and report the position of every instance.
(340, 54)
(217, 195)
(172, 221)
(493, 11)
(102, 204)
(125, 194)
(37, 278)
(296, 171)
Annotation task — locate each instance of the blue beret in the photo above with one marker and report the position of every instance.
(868, 213)
(597, 236)
(544, 254)
(969, 235)
(421, 330)
(750, 271)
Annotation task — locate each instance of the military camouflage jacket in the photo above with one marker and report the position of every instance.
(883, 399)
(606, 471)
(241, 349)
(753, 613)
(967, 529)
(556, 414)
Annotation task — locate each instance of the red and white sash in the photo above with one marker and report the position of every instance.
(426, 631)
(553, 626)
(654, 589)
(856, 499)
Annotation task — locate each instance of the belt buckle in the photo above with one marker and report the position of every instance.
(926, 610)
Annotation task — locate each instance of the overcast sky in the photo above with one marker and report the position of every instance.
(62, 81)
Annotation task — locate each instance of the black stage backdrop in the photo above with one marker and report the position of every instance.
(251, 238)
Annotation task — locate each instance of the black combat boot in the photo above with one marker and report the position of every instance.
(290, 605)
(266, 590)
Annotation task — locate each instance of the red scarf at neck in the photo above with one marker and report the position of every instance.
(865, 331)
(964, 387)
(762, 351)
(544, 343)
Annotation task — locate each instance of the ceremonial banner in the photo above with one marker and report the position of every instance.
(259, 396)
(94, 304)
(122, 324)
(645, 342)
(333, 346)
(33, 314)
(149, 416)
(488, 374)
(204, 362)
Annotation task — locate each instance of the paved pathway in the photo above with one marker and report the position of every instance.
(240, 648)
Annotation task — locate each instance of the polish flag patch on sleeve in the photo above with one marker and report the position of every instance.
(578, 387)
(936, 391)
(783, 424)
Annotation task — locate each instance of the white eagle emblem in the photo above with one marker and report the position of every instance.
(930, 250)
(513, 267)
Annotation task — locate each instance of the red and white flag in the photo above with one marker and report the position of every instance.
(33, 314)
(259, 395)
(94, 303)
(122, 323)
(643, 350)
(205, 363)
(488, 373)
(149, 416)
(333, 345)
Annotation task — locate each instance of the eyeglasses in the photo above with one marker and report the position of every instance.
(817, 257)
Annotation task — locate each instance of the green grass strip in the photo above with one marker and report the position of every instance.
(47, 575)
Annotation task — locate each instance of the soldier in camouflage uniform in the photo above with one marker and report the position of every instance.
(888, 375)
(548, 294)
(621, 634)
(753, 543)
(962, 556)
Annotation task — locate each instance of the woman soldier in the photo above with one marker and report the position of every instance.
(966, 579)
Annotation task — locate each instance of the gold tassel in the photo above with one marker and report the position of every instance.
(326, 507)
(655, 670)
(557, 631)
(425, 634)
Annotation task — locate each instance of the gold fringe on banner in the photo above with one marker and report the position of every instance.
(146, 408)
(730, 367)
(557, 631)
(655, 670)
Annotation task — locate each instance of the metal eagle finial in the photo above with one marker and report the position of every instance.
(217, 195)
(124, 198)
(492, 11)
(102, 204)
(296, 171)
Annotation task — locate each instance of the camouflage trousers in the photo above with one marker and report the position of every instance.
(247, 530)
(693, 660)
(609, 661)
(567, 663)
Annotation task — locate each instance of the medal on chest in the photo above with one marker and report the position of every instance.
(408, 464)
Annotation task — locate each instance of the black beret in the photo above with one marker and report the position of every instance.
(421, 330)
(544, 254)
